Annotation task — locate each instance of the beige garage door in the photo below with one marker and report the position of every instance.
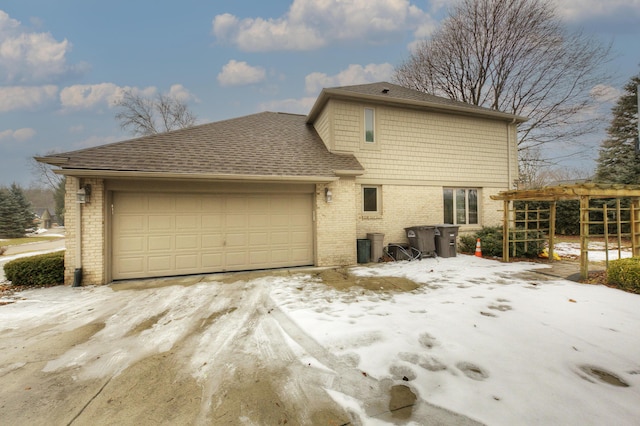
(159, 234)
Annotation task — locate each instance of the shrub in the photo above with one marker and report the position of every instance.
(491, 243)
(3, 249)
(44, 269)
(625, 274)
(491, 240)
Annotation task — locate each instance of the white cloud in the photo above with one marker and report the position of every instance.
(236, 73)
(95, 141)
(180, 93)
(604, 93)
(579, 10)
(354, 74)
(19, 135)
(310, 24)
(82, 96)
(76, 129)
(25, 97)
(31, 56)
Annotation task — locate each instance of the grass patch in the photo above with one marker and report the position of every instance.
(26, 240)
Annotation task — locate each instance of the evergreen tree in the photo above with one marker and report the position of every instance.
(58, 197)
(619, 161)
(15, 212)
(25, 211)
(11, 221)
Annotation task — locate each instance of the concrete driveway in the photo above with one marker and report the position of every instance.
(196, 350)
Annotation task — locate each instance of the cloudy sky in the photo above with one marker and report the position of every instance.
(63, 64)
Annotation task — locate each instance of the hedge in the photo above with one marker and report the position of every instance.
(491, 243)
(43, 269)
(625, 274)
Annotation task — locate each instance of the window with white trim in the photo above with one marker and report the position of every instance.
(461, 206)
(371, 200)
(369, 125)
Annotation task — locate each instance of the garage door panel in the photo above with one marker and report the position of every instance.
(212, 221)
(212, 241)
(160, 263)
(187, 222)
(160, 223)
(187, 262)
(187, 242)
(161, 234)
(161, 203)
(160, 243)
(132, 244)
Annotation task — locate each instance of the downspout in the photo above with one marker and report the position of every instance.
(77, 274)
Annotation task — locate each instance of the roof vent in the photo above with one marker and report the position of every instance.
(385, 90)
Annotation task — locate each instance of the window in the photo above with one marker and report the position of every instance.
(460, 206)
(369, 125)
(371, 199)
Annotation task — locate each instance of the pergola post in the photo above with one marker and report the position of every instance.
(552, 228)
(505, 232)
(584, 237)
(635, 227)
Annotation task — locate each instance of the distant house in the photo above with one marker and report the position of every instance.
(274, 190)
(44, 218)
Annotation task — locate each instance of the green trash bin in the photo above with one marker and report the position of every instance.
(364, 250)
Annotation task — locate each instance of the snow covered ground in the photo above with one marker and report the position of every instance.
(486, 339)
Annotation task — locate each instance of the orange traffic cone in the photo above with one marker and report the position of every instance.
(478, 249)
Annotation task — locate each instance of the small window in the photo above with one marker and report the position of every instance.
(369, 125)
(371, 199)
(460, 206)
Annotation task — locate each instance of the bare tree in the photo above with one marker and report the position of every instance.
(513, 56)
(145, 116)
(44, 173)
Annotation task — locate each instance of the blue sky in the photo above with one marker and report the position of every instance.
(64, 63)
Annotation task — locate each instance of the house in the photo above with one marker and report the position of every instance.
(276, 190)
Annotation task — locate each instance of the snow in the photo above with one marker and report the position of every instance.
(482, 338)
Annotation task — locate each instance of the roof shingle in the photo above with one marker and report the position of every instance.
(263, 144)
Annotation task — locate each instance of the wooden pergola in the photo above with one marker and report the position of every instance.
(583, 192)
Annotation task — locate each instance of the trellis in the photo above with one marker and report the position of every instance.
(585, 192)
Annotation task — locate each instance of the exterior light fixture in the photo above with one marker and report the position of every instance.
(83, 194)
(328, 195)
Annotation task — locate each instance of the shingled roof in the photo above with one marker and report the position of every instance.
(258, 145)
(392, 94)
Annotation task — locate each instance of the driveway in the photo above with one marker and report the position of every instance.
(441, 341)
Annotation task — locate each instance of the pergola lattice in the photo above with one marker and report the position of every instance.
(583, 192)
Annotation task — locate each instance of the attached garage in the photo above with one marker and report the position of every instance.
(160, 234)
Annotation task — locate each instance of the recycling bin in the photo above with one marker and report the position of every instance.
(422, 238)
(377, 245)
(364, 250)
(446, 240)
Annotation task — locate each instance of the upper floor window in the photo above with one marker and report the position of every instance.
(369, 125)
(461, 206)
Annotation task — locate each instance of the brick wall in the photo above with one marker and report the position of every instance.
(93, 259)
(336, 224)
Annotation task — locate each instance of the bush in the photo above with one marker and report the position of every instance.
(491, 240)
(625, 274)
(491, 243)
(44, 269)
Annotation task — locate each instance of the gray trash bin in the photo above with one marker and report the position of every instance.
(422, 238)
(377, 245)
(364, 250)
(446, 240)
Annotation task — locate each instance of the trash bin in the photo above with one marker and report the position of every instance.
(422, 238)
(446, 240)
(364, 250)
(376, 245)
